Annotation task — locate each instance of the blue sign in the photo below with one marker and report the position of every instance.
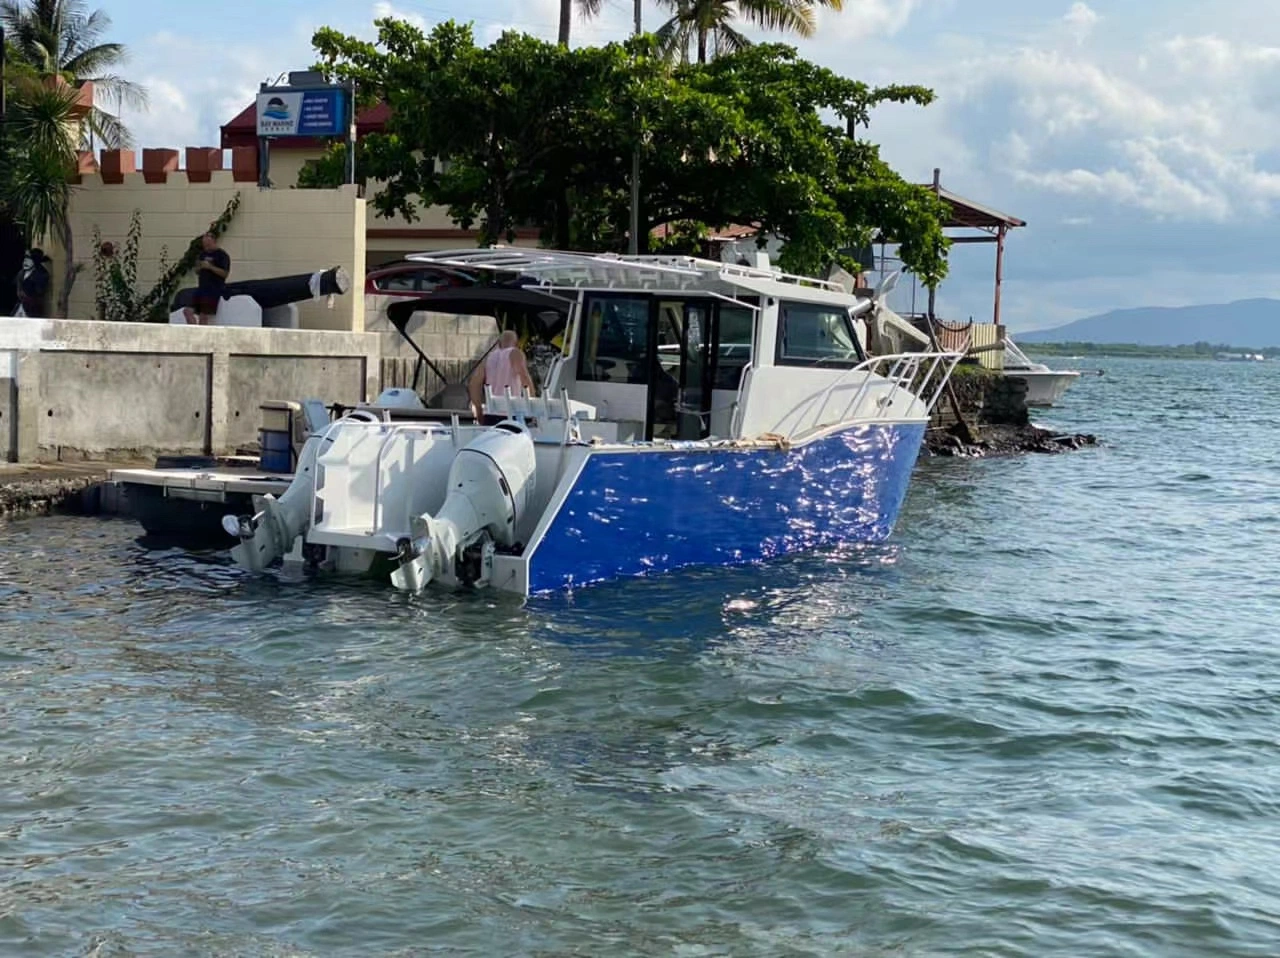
(320, 112)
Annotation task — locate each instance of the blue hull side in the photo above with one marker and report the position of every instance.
(654, 510)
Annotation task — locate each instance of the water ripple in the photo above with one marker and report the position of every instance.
(1039, 722)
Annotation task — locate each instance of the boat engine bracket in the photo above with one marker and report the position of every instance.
(475, 564)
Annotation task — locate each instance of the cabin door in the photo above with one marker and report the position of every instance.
(679, 397)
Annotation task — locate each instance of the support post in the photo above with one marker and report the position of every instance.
(999, 271)
(634, 245)
(264, 163)
(966, 431)
(351, 132)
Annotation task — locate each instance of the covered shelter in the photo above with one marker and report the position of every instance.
(983, 225)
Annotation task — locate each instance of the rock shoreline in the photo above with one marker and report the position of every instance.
(26, 491)
(1004, 440)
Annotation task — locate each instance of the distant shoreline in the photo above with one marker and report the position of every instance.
(1193, 351)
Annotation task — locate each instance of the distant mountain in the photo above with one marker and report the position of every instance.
(1246, 322)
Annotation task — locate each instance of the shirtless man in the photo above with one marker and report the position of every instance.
(504, 366)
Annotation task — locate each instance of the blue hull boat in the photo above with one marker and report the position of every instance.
(691, 413)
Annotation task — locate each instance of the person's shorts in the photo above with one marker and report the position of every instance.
(205, 304)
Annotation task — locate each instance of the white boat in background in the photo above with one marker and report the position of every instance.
(1240, 357)
(1045, 386)
(766, 430)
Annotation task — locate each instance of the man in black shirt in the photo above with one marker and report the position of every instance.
(212, 267)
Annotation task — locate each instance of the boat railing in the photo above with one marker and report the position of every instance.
(735, 417)
(923, 375)
(1013, 356)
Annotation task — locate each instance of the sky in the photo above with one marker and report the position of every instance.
(1139, 139)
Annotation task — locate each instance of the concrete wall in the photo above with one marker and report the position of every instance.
(91, 390)
(276, 232)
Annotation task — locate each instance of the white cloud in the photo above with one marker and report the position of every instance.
(187, 107)
(1190, 141)
(1080, 21)
(382, 10)
(860, 19)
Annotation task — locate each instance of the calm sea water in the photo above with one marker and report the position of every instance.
(1042, 721)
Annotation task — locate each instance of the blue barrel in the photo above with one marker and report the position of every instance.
(277, 451)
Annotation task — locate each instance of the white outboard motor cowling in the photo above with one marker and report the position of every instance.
(490, 484)
(397, 397)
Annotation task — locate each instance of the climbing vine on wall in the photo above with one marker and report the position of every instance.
(116, 272)
(155, 304)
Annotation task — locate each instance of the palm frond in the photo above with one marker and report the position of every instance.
(88, 62)
(729, 40)
(65, 38)
(106, 130)
(118, 92)
(36, 195)
(791, 16)
(674, 38)
(42, 120)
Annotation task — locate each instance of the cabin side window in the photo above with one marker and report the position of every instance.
(812, 334)
(733, 344)
(614, 344)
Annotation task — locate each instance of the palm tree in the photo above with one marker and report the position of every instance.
(699, 23)
(41, 131)
(64, 38)
(587, 8)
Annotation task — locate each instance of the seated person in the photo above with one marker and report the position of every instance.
(504, 366)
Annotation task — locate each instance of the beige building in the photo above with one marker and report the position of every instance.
(386, 240)
(272, 232)
(278, 231)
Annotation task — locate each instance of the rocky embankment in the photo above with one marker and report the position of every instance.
(40, 490)
(1003, 440)
(985, 414)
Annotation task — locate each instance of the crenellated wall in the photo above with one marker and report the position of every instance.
(277, 232)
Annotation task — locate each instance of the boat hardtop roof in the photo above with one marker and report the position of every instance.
(560, 269)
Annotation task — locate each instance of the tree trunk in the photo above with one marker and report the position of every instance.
(702, 45)
(69, 268)
(562, 228)
(566, 20)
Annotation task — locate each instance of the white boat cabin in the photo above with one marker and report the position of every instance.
(678, 348)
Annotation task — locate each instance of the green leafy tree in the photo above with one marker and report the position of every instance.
(35, 180)
(535, 133)
(65, 38)
(709, 26)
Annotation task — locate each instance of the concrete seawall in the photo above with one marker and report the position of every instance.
(73, 390)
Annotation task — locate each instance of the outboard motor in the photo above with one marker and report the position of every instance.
(491, 481)
(270, 532)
